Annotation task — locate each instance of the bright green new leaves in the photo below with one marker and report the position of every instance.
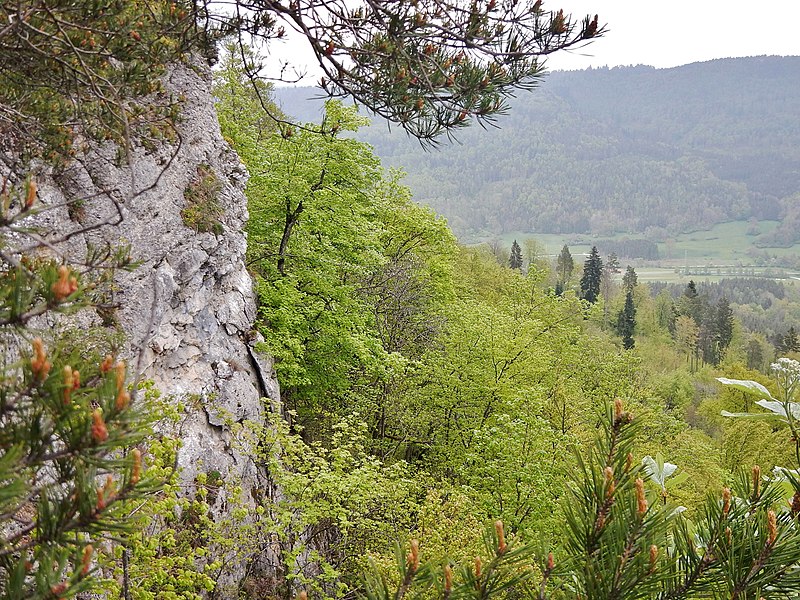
(658, 471)
(349, 271)
(314, 240)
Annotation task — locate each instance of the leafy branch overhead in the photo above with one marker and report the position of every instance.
(429, 65)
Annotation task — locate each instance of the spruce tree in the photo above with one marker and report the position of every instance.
(626, 321)
(564, 265)
(592, 276)
(790, 341)
(723, 326)
(515, 259)
(612, 262)
(629, 280)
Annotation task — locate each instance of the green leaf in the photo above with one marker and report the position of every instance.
(767, 416)
(751, 387)
(658, 470)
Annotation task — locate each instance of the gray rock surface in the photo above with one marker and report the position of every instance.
(189, 307)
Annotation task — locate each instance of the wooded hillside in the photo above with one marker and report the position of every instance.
(632, 149)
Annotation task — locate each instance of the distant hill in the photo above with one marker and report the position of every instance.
(628, 149)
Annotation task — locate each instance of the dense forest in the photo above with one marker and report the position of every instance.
(454, 422)
(681, 149)
(455, 377)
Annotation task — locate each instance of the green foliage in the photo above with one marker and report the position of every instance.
(203, 210)
(623, 539)
(69, 427)
(335, 494)
(70, 70)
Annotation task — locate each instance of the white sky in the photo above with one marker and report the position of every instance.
(677, 32)
(661, 33)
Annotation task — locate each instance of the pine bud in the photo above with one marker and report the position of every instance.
(448, 579)
(136, 472)
(107, 363)
(119, 372)
(99, 429)
(796, 504)
(86, 561)
(641, 499)
(413, 556)
(39, 364)
(478, 566)
(69, 383)
(591, 28)
(501, 537)
(611, 486)
(653, 557)
(628, 462)
(65, 285)
(108, 488)
(30, 195)
(558, 25)
(772, 524)
(59, 589)
(551, 563)
(726, 502)
(728, 535)
(123, 398)
(101, 500)
(301, 595)
(618, 409)
(756, 482)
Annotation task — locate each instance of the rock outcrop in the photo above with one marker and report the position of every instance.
(188, 308)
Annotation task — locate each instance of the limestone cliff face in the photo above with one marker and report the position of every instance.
(188, 308)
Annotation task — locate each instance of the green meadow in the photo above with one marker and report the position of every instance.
(727, 250)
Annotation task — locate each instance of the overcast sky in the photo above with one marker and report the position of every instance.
(677, 32)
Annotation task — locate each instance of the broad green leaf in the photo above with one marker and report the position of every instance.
(752, 387)
(658, 470)
(773, 406)
(767, 416)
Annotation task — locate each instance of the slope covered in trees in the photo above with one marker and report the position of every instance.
(628, 149)
(428, 388)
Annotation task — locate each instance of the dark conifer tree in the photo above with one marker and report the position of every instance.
(629, 280)
(515, 260)
(612, 262)
(626, 321)
(790, 342)
(564, 265)
(755, 355)
(592, 275)
(723, 326)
